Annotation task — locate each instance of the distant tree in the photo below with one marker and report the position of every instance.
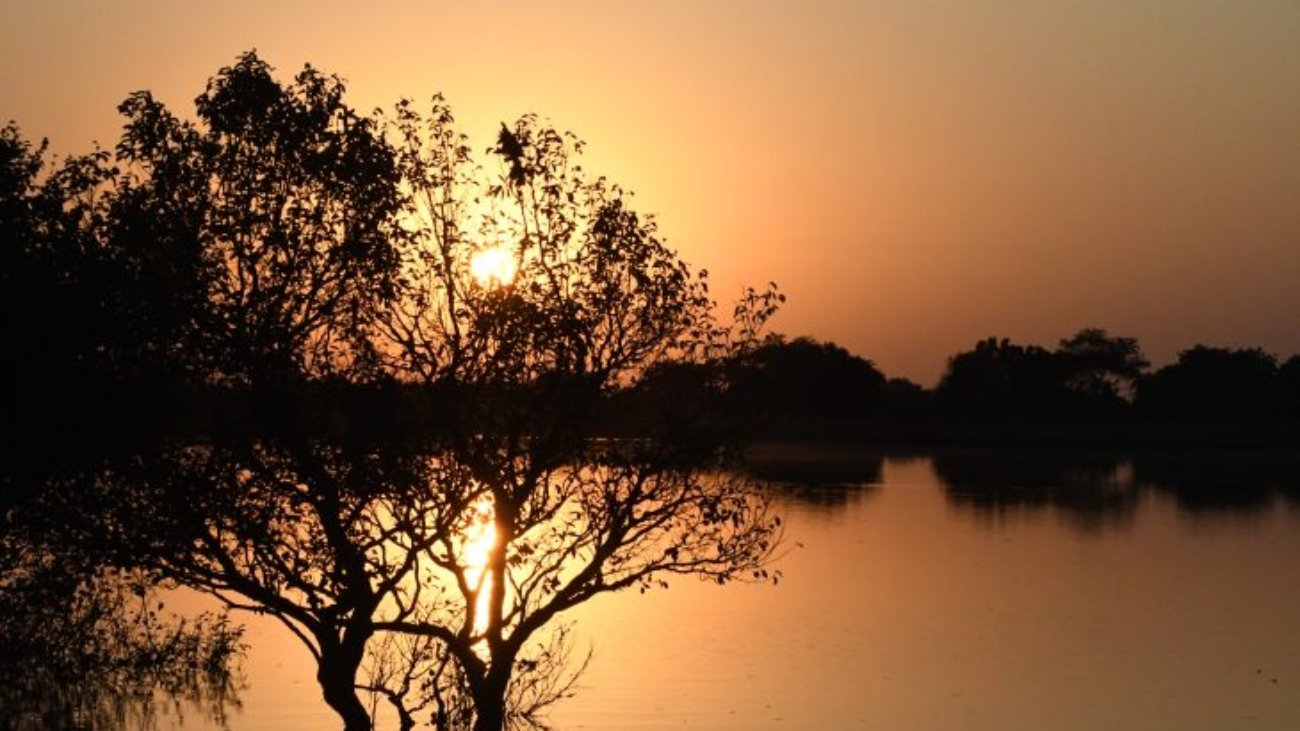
(1288, 380)
(689, 404)
(804, 381)
(1001, 379)
(1091, 374)
(1101, 367)
(902, 398)
(1213, 383)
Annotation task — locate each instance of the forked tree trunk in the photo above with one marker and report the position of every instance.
(341, 695)
(337, 673)
(490, 706)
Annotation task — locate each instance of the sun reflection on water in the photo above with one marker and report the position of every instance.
(480, 539)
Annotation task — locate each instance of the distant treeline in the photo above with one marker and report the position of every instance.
(1092, 386)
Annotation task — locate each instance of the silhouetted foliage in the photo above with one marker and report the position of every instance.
(1001, 379)
(78, 640)
(688, 405)
(247, 254)
(596, 299)
(296, 275)
(901, 398)
(58, 320)
(1288, 387)
(801, 381)
(1091, 374)
(1101, 371)
(268, 223)
(1213, 384)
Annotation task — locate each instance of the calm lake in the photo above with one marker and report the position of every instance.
(980, 590)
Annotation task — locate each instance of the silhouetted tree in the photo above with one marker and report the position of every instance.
(1212, 384)
(1091, 374)
(255, 246)
(688, 404)
(1288, 386)
(802, 382)
(1001, 379)
(903, 399)
(277, 206)
(551, 518)
(280, 247)
(1101, 369)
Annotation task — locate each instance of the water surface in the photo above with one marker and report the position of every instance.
(978, 590)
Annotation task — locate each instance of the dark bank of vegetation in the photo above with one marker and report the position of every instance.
(254, 353)
(1093, 389)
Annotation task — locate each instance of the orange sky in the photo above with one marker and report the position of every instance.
(915, 175)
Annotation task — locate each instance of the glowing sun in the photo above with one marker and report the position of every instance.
(493, 266)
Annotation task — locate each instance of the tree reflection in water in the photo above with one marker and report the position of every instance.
(1207, 484)
(1092, 490)
(99, 652)
(1096, 490)
(823, 476)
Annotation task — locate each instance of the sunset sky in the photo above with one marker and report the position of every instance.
(915, 175)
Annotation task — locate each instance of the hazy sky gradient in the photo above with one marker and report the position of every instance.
(915, 175)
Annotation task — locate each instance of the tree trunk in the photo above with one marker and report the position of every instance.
(338, 683)
(490, 707)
